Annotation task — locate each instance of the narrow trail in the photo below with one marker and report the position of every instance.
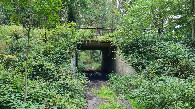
(93, 102)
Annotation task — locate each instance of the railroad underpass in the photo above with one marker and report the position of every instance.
(110, 61)
(108, 55)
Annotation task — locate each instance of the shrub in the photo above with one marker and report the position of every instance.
(161, 92)
(172, 59)
(67, 92)
(161, 55)
(51, 81)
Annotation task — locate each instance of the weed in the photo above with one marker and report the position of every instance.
(105, 92)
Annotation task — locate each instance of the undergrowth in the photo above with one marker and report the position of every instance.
(111, 100)
(161, 92)
(52, 83)
(104, 92)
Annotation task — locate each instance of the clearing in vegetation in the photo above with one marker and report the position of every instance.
(100, 96)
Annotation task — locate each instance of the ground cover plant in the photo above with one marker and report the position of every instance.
(111, 100)
(161, 92)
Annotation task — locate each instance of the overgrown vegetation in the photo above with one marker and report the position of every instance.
(89, 60)
(160, 92)
(51, 80)
(37, 42)
(161, 53)
(110, 98)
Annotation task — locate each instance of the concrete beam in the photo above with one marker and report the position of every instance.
(94, 45)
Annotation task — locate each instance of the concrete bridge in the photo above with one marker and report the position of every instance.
(108, 53)
(110, 60)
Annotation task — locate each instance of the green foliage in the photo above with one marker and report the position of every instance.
(89, 60)
(161, 55)
(98, 14)
(67, 92)
(110, 106)
(171, 59)
(51, 81)
(72, 9)
(161, 92)
(104, 92)
(166, 92)
(111, 99)
(8, 60)
(155, 16)
(44, 56)
(32, 13)
(152, 46)
(135, 104)
(154, 38)
(122, 84)
(9, 34)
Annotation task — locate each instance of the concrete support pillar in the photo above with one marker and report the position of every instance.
(74, 61)
(122, 66)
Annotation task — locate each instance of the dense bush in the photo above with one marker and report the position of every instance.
(154, 41)
(161, 92)
(45, 58)
(67, 92)
(8, 34)
(172, 59)
(161, 55)
(51, 81)
(165, 67)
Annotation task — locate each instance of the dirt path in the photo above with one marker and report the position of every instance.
(93, 102)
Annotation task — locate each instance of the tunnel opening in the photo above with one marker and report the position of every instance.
(89, 62)
(96, 59)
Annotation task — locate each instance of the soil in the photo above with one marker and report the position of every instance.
(93, 102)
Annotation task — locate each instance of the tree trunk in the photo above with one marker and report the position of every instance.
(71, 12)
(112, 16)
(45, 40)
(192, 22)
(26, 66)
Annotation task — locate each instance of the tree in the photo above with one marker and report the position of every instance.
(71, 10)
(31, 14)
(192, 21)
(100, 13)
(143, 17)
